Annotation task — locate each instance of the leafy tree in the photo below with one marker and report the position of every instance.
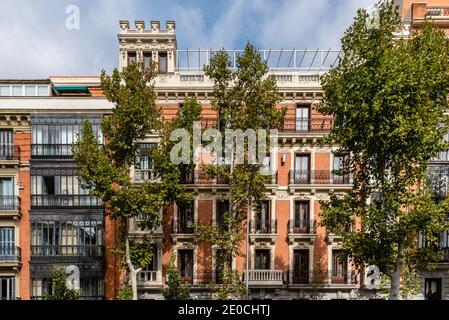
(174, 289)
(59, 287)
(105, 169)
(244, 98)
(388, 97)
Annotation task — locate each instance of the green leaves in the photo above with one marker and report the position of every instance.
(175, 290)
(388, 99)
(59, 287)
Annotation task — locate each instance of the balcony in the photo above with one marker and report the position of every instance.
(67, 250)
(141, 175)
(10, 256)
(200, 177)
(343, 277)
(301, 231)
(438, 15)
(136, 230)
(265, 278)
(182, 230)
(10, 206)
(65, 201)
(149, 278)
(263, 230)
(319, 178)
(441, 248)
(307, 125)
(9, 153)
(57, 151)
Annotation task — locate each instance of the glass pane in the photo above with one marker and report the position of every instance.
(4, 91)
(16, 90)
(30, 90)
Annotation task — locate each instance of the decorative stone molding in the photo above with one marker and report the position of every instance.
(124, 25)
(170, 25)
(155, 25)
(140, 25)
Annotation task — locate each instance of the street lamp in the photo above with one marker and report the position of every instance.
(254, 168)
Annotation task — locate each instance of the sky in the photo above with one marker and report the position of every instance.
(36, 43)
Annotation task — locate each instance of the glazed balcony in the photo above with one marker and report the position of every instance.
(65, 201)
(10, 256)
(9, 153)
(9, 206)
(438, 14)
(441, 248)
(319, 177)
(265, 278)
(67, 250)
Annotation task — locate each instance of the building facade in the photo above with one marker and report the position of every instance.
(47, 219)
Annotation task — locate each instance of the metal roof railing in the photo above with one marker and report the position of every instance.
(277, 59)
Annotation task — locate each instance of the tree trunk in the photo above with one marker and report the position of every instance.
(132, 271)
(396, 275)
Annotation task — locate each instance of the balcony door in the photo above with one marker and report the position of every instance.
(263, 218)
(341, 170)
(302, 168)
(7, 199)
(263, 260)
(302, 118)
(302, 216)
(432, 289)
(186, 265)
(339, 267)
(7, 288)
(300, 266)
(222, 209)
(185, 218)
(7, 243)
(6, 144)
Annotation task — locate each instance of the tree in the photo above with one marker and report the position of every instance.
(105, 169)
(387, 97)
(59, 287)
(244, 98)
(174, 289)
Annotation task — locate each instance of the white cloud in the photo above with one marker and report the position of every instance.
(35, 42)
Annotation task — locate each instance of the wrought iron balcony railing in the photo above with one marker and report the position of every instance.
(301, 227)
(144, 175)
(319, 177)
(67, 250)
(313, 124)
(65, 200)
(9, 152)
(183, 226)
(263, 226)
(9, 203)
(10, 253)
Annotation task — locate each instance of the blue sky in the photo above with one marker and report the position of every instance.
(36, 42)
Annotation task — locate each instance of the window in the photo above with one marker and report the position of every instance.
(5, 91)
(131, 57)
(6, 145)
(185, 264)
(7, 243)
(30, 90)
(303, 118)
(339, 267)
(147, 60)
(432, 289)
(263, 218)
(7, 288)
(42, 91)
(341, 170)
(162, 62)
(262, 261)
(222, 209)
(301, 224)
(7, 198)
(185, 218)
(302, 168)
(300, 266)
(90, 288)
(16, 90)
(67, 238)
